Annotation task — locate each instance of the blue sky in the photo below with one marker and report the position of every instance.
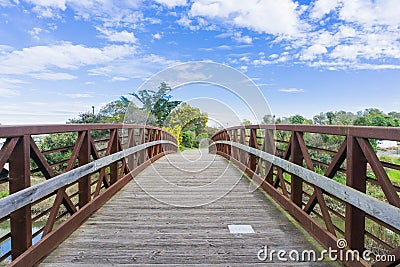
(61, 57)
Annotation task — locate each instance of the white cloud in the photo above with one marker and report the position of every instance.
(10, 83)
(384, 12)
(119, 79)
(115, 36)
(89, 83)
(157, 36)
(357, 34)
(8, 87)
(78, 95)
(244, 68)
(57, 4)
(323, 7)
(109, 13)
(7, 93)
(291, 90)
(35, 32)
(242, 39)
(172, 3)
(5, 3)
(224, 47)
(50, 76)
(139, 67)
(62, 56)
(268, 16)
(43, 112)
(313, 51)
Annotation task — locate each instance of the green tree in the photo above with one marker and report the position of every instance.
(86, 117)
(188, 118)
(320, 119)
(187, 139)
(394, 114)
(345, 118)
(375, 117)
(158, 102)
(114, 112)
(297, 119)
(118, 111)
(246, 122)
(331, 117)
(176, 132)
(55, 141)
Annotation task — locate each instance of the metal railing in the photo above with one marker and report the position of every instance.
(336, 190)
(53, 191)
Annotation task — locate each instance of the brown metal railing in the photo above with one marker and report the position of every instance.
(351, 161)
(63, 209)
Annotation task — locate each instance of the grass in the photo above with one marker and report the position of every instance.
(4, 190)
(4, 193)
(394, 175)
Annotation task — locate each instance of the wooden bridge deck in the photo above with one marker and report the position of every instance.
(182, 224)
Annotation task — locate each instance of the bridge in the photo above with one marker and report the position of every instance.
(259, 195)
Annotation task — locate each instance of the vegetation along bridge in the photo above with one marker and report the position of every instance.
(77, 204)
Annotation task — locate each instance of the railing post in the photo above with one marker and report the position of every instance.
(242, 154)
(149, 139)
(131, 143)
(269, 147)
(227, 147)
(114, 149)
(296, 194)
(234, 149)
(356, 172)
(20, 178)
(142, 140)
(84, 182)
(254, 144)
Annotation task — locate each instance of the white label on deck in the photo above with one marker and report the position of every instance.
(241, 229)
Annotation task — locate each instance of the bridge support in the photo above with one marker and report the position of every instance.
(20, 220)
(296, 193)
(356, 178)
(84, 182)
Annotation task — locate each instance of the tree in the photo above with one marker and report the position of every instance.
(246, 122)
(282, 120)
(375, 117)
(210, 131)
(320, 119)
(86, 117)
(118, 111)
(188, 118)
(176, 132)
(345, 118)
(297, 119)
(55, 141)
(268, 119)
(158, 102)
(331, 117)
(114, 112)
(187, 139)
(394, 114)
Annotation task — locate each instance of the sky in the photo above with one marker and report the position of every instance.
(58, 58)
